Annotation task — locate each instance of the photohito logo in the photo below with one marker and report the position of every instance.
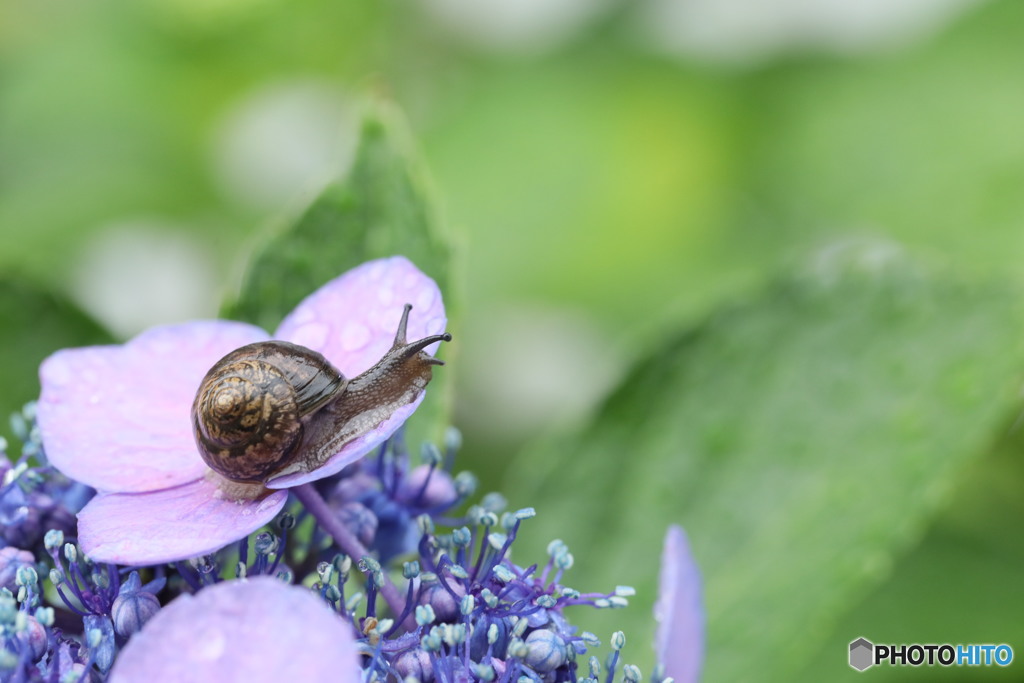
(865, 654)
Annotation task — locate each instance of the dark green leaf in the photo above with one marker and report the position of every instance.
(34, 324)
(802, 439)
(382, 208)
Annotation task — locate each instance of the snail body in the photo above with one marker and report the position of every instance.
(273, 408)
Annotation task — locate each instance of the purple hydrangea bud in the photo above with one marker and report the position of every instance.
(359, 520)
(105, 648)
(546, 651)
(133, 607)
(490, 632)
(445, 605)
(35, 636)
(354, 488)
(11, 560)
(438, 490)
(415, 663)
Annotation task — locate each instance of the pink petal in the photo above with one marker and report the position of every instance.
(255, 630)
(117, 417)
(353, 450)
(680, 612)
(168, 525)
(352, 319)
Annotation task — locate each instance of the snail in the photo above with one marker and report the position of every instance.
(273, 407)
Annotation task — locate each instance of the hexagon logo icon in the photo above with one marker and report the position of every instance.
(861, 654)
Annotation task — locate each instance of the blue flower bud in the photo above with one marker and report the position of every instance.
(133, 607)
(425, 615)
(45, 616)
(26, 575)
(503, 573)
(545, 601)
(462, 537)
(467, 605)
(546, 651)
(489, 598)
(265, 543)
(53, 539)
(445, 606)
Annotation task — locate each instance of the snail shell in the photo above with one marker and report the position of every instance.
(272, 408)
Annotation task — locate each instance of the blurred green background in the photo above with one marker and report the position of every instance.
(612, 174)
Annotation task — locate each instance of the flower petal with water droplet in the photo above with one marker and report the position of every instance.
(255, 630)
(117, 417)
(173, 524)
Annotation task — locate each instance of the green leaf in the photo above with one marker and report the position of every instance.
(35, 324)
(382, 208)
(955, 586)
(802, 439)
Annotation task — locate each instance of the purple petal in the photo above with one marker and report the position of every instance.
(255, 630)
(353, 450)
(168, 525)
(117, 417)
(352, 319)
(679, 643)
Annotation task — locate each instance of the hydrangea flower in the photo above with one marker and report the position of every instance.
(468, 612)
(260, 629)
(500, 626)
(117, 418)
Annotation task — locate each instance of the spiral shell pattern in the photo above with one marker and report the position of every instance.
(246, 419)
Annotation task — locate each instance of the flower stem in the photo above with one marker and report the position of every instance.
(345, 539)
